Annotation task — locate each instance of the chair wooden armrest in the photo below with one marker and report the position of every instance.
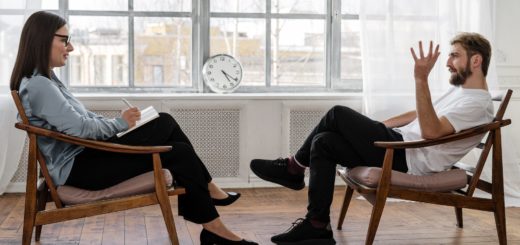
(99, 145)
(448, 138)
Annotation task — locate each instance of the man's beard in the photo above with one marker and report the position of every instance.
(460, 77)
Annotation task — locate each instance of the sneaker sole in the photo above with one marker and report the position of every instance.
(282, 182)
(310, 242)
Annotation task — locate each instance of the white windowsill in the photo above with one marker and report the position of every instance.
(212, 96)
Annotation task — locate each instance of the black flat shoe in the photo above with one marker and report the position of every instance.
(210, 238)
(232, 197)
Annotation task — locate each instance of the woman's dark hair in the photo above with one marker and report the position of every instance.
(35, 46)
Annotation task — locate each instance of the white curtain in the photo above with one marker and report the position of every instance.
(390, 27)
(11, 139)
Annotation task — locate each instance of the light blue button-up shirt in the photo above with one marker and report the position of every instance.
(48, 104)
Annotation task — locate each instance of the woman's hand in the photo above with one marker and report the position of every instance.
(131, 116)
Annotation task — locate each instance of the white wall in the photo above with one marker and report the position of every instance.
(507, 55)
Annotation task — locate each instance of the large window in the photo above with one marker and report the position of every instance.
(161, 45)
(289, 45)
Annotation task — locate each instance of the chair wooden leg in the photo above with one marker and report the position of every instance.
(29, 216)
(168, 218)
(346, 201)
(498, 189)
(164, 201)
(40, 206)
(500, 221)
(458, 213)
(377, 211)
(28, 220)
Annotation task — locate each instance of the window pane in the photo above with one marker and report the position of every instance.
(98, 5)
(44, 4)
(351, 72)
(298, 6)
(244, 40)
(118, 68)
(350, 6)
(162, 52)
(96, 40)
(238, 6)
(50, 4)
(10, 4)
(100, 64)
(75, 64)
(163, 5)
(10, 28)
(297, 49)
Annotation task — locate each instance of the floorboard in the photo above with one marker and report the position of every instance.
(263, 212)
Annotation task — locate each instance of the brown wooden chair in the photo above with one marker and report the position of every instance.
(389, 183)
(40, 187)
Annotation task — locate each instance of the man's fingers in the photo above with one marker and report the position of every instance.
(413, 54)
(421, 52)
(436, 54)
(431, 49)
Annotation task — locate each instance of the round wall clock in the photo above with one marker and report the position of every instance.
(222, 73)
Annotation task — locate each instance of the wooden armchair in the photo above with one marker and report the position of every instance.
(40, 188)
(459, 193)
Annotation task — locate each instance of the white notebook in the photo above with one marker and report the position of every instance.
(147, 114)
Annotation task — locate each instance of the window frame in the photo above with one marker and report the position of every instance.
(200, 45)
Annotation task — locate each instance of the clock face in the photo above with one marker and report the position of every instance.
(222, 73)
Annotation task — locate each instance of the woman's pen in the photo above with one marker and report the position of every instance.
(127, 103)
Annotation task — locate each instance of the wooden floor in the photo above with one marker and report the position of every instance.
(261, 213)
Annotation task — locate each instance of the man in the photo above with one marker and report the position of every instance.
(343, 136)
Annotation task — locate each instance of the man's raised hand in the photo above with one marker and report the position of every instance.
(423, 65)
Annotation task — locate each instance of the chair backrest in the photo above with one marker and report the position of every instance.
(474, 178)
(35, 152)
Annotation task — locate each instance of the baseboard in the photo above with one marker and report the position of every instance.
(255, 181)
(16, 187)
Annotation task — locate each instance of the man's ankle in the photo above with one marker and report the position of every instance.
(293, 167)
(318, 224)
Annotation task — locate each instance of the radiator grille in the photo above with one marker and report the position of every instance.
(21, 173)
(301, 124)
(214, 134)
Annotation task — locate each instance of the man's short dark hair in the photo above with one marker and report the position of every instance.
(475, 43)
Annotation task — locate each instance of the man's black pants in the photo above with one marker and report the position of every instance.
(346, 137)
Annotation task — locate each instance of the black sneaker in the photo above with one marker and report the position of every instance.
(303, 233)
(276, 171)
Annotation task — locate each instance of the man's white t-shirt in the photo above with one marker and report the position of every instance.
(464, 108)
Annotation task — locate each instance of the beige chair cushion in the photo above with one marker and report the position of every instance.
(140, 184)
(439, 182)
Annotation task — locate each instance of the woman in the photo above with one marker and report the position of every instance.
(44, 45)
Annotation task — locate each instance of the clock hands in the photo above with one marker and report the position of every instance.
(229, 76)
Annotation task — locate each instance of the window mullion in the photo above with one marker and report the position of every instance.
(131, 40)
(196, 82)
(204, 41)
(334, 45)
(268, 58)
(63, 9)
(328, 42)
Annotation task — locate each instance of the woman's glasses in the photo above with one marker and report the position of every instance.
(65, 39)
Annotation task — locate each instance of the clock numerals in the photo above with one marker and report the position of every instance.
(222, 73)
